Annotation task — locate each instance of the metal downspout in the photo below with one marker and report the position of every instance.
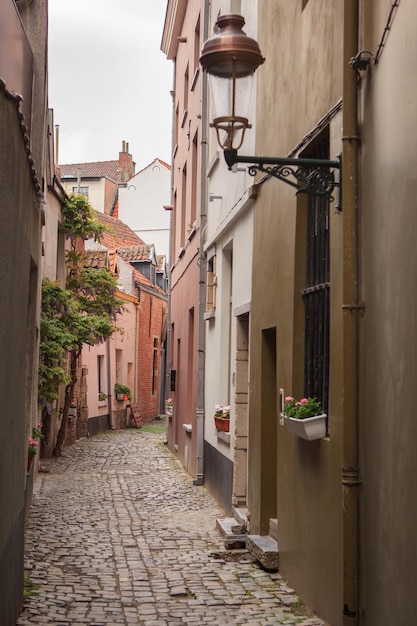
(351, 311)
(109, 389)
(168, 355)
(199, 480)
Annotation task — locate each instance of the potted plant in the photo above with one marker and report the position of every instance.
(122, 392)
(305, 418)
(222, 417)
(102, 397)
(37, 432)
(33, 444)
(168, 405)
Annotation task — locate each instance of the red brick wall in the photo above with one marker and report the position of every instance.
(109, 191)
(126, 166)
(152, 312)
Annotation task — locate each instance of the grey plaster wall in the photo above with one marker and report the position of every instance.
(388, 366)
(20, 250)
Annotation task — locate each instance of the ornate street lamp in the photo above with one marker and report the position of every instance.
(230, 59)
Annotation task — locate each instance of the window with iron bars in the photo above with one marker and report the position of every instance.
(316, 294)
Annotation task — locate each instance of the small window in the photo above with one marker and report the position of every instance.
(82, 190)
(185, 94)
(211, 282)
(155, 366)
(101, 377)
(197, 46)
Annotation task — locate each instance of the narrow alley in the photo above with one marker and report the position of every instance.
(118, 534)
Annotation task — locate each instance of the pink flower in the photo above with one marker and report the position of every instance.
(289, 399)
(304, 401)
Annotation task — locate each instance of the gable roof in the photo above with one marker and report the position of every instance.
(96, 169)
(151, 164)
(119, 235)
(121, 241)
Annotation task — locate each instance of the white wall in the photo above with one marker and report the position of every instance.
(229, 227)
(141, 205)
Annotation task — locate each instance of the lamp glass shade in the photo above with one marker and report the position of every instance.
(230, 59)
(230, 100)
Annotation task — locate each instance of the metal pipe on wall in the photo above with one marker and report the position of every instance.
(168, 356)
(351, 310)
(202, 271)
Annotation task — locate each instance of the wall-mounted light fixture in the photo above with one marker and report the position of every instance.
(230, 59)
(213, 196)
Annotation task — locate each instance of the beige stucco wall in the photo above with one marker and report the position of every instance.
(96, 191)
(296, 481)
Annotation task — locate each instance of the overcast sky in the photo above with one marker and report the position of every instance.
(108, 79)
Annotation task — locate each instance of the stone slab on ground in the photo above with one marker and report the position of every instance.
(264, 549)
(234, 538)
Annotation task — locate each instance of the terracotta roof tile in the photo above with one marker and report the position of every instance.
(96, 259)
(143, 252)
(161, 260)
(97, 169)
(119, 234)
(142, 280)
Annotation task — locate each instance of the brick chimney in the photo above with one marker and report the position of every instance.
(126, 164)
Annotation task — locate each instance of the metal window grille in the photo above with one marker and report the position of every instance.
(316, 294)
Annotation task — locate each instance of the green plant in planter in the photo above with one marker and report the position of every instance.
(222, 412)
(102, 396)
(123, 390)
(37, 431)
(32, 446)
(302, 409)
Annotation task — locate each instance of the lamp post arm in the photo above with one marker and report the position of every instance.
(312, 176)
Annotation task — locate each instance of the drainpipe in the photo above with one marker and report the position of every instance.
(168, 355)
(109, 389)
(199, 480)
(351, 311)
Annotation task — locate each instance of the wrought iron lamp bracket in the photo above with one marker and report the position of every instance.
(313, 176)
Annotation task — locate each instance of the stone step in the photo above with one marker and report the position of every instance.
(273, 528)
(241, 517)
(233, 533)
(264, 549)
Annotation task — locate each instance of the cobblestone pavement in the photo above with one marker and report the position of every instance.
(118, 534)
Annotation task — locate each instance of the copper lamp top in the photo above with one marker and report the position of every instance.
(231, 52)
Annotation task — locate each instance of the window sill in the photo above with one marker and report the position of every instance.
(224, 437)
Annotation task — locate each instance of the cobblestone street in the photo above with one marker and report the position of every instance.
(118, 534)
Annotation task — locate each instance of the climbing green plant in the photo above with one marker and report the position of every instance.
(79, 220)
(82, 313)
